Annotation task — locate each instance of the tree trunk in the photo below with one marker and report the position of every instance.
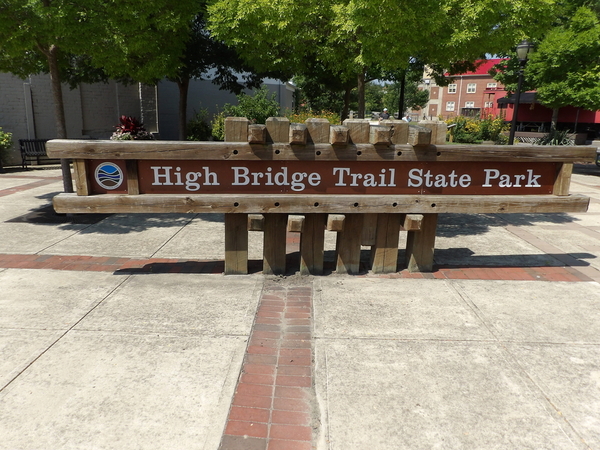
(361, 94)
(183, 85)
(554, 122)
(401, 97)
(346, 110)
(59, 111)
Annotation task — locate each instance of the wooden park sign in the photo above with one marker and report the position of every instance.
(367, 182)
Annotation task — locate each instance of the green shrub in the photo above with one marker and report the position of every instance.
(555, 137)
(198, 127)
(218, 126)
(468, 130)
(301, 116)
(5, 145)
(256, 108)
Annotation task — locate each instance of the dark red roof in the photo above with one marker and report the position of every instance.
(483, 67)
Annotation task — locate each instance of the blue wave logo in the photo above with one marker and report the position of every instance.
(109, 176)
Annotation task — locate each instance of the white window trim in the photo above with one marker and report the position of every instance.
(450, 106)
(469, 104)
(471, 88)
(452, 88)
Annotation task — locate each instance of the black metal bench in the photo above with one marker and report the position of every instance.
(34, 150)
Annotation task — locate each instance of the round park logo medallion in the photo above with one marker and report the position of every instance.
(109, 176)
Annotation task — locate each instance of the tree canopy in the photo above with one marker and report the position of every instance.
(134, 39)
(565, 68)
(351, 36)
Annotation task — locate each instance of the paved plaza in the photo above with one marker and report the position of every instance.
(120, 332)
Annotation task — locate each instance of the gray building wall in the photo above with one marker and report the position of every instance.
(92, 110)
(203, 94)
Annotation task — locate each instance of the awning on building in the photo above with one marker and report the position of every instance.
(526, 97)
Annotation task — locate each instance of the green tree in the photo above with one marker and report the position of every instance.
(138, 39)
(565, 68)
(206, 58)
(351, 37)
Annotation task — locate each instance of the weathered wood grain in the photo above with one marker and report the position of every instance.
(348, 245)
(420, 245)
(278, 129)
(385, 251)
(274, 246)
(563, 179)
(236, 244)
(82, 184)
(318, 131)
(305, 204)
(133, 181)
(176, 150)
(312, 244)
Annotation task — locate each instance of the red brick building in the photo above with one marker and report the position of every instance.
(477, 94)
(472, 94)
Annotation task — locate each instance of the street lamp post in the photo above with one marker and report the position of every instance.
(524, 49)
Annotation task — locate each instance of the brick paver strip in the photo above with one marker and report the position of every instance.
(271, 407)
(295, 313)
(25, 187)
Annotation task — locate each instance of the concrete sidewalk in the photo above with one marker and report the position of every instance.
(119, 332)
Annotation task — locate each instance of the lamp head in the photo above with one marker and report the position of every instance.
(524, 49)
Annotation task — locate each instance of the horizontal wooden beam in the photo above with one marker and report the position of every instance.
(305, 204)
(239, 151)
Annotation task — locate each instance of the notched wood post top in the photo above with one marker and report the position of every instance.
(419, 135)
(298, 134)
(338, 135)
(257, 134)
(380, 135)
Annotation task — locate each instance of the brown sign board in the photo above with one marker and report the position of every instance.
(326, 177)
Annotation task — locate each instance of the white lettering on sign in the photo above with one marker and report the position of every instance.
(243, 177)
(418, 178)
(162, 177)
(283, 178)
(387, 178)
(506, 181)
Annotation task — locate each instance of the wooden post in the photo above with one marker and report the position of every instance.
(420, 245)
(338, 135)
(236, 225)
(236, 129)
(385, 259)
(82, 185)
(236, 244)
(348, 244)
(298, 134)
(318, 130)
(438, 131)
(563, 179)
(380, 135)
(359, 130)
(369, 230)
(399, 131)
(257, 134)
(312, 244)
(133, 182)
(418, 135)
(274, 251)
(278, 129)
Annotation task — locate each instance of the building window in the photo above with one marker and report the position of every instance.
(471, 88)
(492, 85)
(449, 106)
(489, 104)
(452, 89)
(469, 104)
